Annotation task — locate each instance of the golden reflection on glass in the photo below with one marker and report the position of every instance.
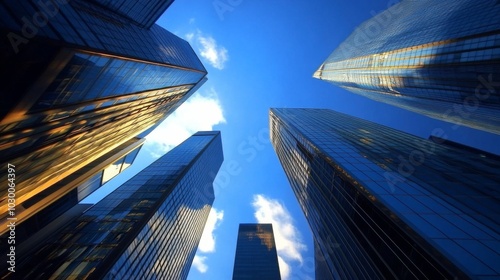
(367, 141)
(266, 237)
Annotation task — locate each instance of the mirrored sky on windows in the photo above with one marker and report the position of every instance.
(262, 54)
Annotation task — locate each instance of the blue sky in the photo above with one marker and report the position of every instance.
(262, 54)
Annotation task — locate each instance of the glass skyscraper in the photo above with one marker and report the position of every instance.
(437, 58)
(384, 204)
(148, 228)
(256, 255)
(79, 79)
(41, 209)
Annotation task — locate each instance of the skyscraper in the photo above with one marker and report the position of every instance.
(386, 204)
(256, 255)
(79, 79)
(41, 209)
(148, 228)
(437, 58)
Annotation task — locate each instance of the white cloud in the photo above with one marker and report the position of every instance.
(207, 241)
(284, 268)
(287, 237)
(199, 112)
(189, 37)
(199, 263)
(209, 49)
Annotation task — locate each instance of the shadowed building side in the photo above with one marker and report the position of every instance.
(149, 227)
(144, 13)
(256, 256)
(383, 204)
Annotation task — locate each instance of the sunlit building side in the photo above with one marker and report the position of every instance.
(43, 208)
(437, 58)
(79, 79)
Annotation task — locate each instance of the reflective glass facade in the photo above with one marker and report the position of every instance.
(145, 13)
(149, 228)
(110, 171)
(86, 26)
(437, 58)
(383, 204)
(83, 82)
(41, 209)
(256, 255)
(321, 270)
(87, 77)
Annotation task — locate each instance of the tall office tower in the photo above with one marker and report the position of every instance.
(384, 204)
(256, 256)
(79, 79)
(437, 58)
(148, 228)
(41, 209)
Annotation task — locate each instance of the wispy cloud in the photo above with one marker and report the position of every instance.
(208, 238)
(199, 112)
(199, 263)
(189, 37)
(287, 237)
(208, 48)
(284, 268)
(215, 54)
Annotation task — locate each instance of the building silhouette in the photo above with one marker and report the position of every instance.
(383, 204)
(80, 79)
(148, 228)
(256, 255)
(437, 58)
